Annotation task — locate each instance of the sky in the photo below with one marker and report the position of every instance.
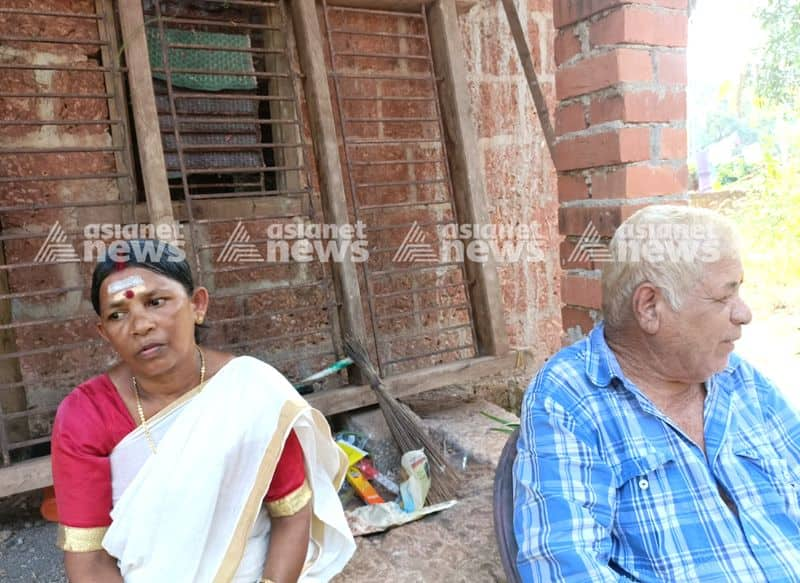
(724, 37)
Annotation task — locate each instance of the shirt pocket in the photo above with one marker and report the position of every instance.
(644, 499)
(770, 482)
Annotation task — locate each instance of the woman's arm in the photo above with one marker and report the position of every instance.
(288, 544)
(91, 567)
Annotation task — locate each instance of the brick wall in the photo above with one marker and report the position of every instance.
(614, 75)
(621, 125)
(520, 179)
(25, 231)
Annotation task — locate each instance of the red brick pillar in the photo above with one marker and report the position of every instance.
(621, 127)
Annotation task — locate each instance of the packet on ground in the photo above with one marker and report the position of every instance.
(414, 490)
(379, 517)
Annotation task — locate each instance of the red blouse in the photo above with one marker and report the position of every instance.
(90, 422)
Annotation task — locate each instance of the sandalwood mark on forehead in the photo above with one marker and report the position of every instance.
(127, 283)
(124, 289)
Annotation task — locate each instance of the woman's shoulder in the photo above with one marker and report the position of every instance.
(86, 394)
(91, 403)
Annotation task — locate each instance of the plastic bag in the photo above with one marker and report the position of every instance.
(414, 490)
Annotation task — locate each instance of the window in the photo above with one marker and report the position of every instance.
(231, 114)
(396, 168)
(66, 160)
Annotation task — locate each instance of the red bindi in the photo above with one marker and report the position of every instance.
(129, 293)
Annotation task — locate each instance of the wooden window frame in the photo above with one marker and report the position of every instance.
(470, 198)
(461, 139)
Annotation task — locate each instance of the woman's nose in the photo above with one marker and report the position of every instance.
(141, 321)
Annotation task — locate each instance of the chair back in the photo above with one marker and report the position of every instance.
(503, 507)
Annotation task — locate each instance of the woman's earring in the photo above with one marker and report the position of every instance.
(199, 319)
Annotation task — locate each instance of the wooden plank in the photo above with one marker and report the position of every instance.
(539, 100)
(466, 171)
(349, 398)
(12, 399)
(393, 5)
(143, 104)
(398, 5)
(120, 134)
(24, 476)
(326, 149)
(282, 133)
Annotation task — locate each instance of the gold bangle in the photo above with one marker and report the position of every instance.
(265, 580)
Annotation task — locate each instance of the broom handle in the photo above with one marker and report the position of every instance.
(334, 368)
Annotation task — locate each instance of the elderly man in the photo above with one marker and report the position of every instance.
(649, 452)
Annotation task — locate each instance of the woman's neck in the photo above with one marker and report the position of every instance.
(171, 384)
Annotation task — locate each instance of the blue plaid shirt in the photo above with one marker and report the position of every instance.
(606, 489)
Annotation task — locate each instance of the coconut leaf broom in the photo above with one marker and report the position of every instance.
(405, 428)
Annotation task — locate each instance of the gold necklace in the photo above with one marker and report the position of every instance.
(144, 424)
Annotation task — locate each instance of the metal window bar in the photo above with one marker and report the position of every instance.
(51, 40)
(254, 193)
(70, 15)
(25, 95)
(45, 315)
(63, 122)
(355, 32)
(348, 66)
(232, 135)
(65, 68)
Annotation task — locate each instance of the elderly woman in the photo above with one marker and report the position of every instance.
(183, 463)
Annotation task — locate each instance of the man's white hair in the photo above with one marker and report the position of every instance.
(685, 241)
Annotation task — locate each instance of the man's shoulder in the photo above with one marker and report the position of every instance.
(746, 380)
(567, 361)
(564, 376)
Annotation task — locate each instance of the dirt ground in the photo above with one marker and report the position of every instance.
(27, 543)
(454, 546)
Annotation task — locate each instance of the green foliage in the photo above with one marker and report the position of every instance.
(778, 76)
(504, 426)
(768, 218)
(734, 171)
(736, 110)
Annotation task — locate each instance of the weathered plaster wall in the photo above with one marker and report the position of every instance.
(520, 177)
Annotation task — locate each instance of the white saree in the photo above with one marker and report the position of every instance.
(193, 512)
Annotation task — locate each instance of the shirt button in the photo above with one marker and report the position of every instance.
(644, 484)
(755, 541)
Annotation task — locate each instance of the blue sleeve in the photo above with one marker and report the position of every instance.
(563, 493)
(781, 417)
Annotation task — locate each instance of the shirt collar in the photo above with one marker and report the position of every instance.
(602, 365)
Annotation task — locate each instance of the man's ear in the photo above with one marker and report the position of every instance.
(645, 303)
